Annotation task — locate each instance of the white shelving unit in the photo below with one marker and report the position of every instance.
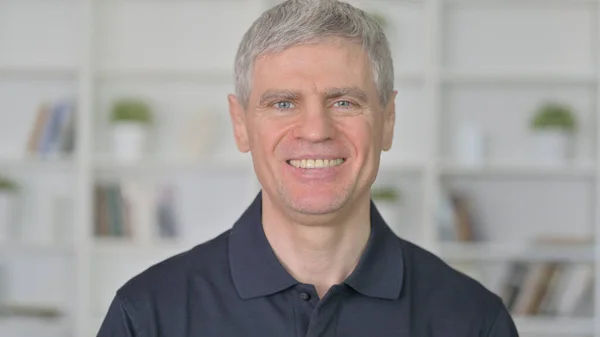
(485, 60)
(519, 170)
(505, 251)
(554, 327)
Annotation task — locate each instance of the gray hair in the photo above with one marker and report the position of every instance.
(296, 22)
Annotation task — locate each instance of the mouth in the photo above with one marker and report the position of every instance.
(315, 163)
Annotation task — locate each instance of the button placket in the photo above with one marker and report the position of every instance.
(323, 317)
(308, 294)
(304, 303)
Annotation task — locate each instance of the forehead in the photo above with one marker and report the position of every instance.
(328, 63)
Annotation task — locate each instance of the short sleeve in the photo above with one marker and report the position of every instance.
(117, 322)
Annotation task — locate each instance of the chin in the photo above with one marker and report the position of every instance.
(315, 203)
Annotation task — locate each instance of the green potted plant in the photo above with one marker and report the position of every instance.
(131, 120)
(385, 194)
(554, 125)
(8, 197)
(7, 185)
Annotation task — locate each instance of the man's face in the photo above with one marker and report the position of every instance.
(315, 126)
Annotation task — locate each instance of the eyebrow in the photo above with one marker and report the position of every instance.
(270, 95)
(330, 93)
(355, 92)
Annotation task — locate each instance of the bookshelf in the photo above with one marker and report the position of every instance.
(554, 327)
(518, 77)
(19, 248)
(516, 170)
(455, 60)
(505, 251)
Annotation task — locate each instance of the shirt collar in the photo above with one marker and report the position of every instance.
(380, 270)
(256, 271)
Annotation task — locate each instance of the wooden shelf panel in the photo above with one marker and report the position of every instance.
(24, 326)
(525, 76)
(166, 75)
(519, 169)
(552, 326)
(38, 72)
(506, 251)
(19, 248)
(519, 2)
(128, 247)
(157, 166)
(36, 165)
(204, 75)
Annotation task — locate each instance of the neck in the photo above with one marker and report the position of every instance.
(321, 252)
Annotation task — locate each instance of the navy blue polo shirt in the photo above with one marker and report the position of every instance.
(234, 286)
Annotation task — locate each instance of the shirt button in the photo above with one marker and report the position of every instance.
(305, 296)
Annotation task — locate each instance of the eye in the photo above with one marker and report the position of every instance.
(284, 105)
(343, 104)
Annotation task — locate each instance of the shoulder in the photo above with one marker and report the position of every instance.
(447, 295)
(158, 295)
(438, 276)
(174, 272)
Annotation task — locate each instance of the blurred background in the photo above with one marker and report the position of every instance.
(116, 149)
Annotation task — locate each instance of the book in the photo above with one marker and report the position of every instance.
(52, 134)
(112, 211)
(533, 288)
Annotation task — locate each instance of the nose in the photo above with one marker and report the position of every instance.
(315, 125)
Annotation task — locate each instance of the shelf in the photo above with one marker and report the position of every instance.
(519, 2)
(407, 167)
(34, 327)
(516, 170)
(157, 166)
(205, 76)
(500, 252)
(549, 326)
(161, 166)
(172, 1)
(170, 75)
(32, 164)
(38, 72)
(409, 76)
(20, 248)
(512, 77)
(127, 247)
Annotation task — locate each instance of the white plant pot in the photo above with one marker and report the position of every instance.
(470, 145)
(552, 147)
(7, 213)
(129, 141)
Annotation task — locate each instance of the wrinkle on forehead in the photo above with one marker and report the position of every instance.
(311, 68)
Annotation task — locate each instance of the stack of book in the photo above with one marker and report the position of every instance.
(52, 135)
(112, 212)
(549, 289)
(125, 210)
(455, 218)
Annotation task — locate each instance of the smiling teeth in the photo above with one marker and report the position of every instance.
(315, 163)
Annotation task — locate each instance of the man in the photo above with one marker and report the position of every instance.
(311, 256)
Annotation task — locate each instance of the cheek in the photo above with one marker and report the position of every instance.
(359, 131)
(266, 135)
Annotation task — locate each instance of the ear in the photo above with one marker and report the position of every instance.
(238, 120)
(389, 119)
